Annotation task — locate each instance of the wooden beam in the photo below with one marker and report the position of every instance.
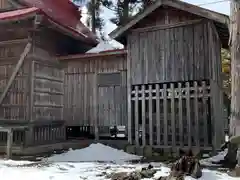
(150, 116)
(16, 70)
(173, 116)
(31, 90)
(188, 107)
(95, 102)
(136, 118)
(158, 117)
(129, 97)
(165, 114)
(180, 115)
(196, 109)
(15, 41)
(167, 26)
(143, 116)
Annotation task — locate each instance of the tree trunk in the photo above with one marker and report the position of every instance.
(235, 75)
(125, 11)
(93, 14)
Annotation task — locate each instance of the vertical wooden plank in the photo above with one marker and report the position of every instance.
(9, 143)
(180, 115)
(213, 91)
(196, 109)
(204, 116)
(188, 115)
(143, 116)
(129, 90)
(158, 114)
(136, 117)
(150, 109)
(173, 123)
(165, 111)
(29, 138)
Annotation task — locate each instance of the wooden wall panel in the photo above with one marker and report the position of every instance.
(216, 87)
(4, 4)
(166, 55)
(14, 104)
(165, 15)
(172, 46)
(48, 88)
(80, 84)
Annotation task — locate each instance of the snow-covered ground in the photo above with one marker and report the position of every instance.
(59, 167)
(212, 161)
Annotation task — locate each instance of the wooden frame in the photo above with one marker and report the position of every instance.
(158, 105)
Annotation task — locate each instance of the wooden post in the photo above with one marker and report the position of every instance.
(9, 143)
(235, 67)
(188, 99)
(150, 115)
(173, 115)
(235, 70)
(136, 118)
(158, 115)
(196, 109)
(180, 115)
(95, 96)
(143, 117)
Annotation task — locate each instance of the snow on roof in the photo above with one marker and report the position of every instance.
(94, 153)
(104, 46)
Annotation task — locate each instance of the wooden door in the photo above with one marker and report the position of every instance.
(112, 100)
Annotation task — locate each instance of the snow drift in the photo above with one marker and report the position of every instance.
(94, 153)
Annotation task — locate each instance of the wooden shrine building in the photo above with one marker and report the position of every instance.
(32, 34)
(166, 87)
(174, 84)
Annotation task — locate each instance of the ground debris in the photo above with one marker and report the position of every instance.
(187, 165)
(136, 175)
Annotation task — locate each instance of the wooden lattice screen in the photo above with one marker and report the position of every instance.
(172, 114)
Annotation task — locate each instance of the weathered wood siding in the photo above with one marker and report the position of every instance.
(94, 89)
(4, 4)
(217, 106)
(48, 79)
(171, 54)
(15, 102)
(172, 51)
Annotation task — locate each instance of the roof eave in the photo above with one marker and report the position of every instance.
(217, 17)
(72, 33)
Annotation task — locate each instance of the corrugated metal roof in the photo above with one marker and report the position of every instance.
(64, 13)
(17, 13)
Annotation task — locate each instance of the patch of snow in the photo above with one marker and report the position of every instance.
(94, 153)
(213, 175)
(14, 163)
(211, 161)
(121, 135)
(214, 159)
